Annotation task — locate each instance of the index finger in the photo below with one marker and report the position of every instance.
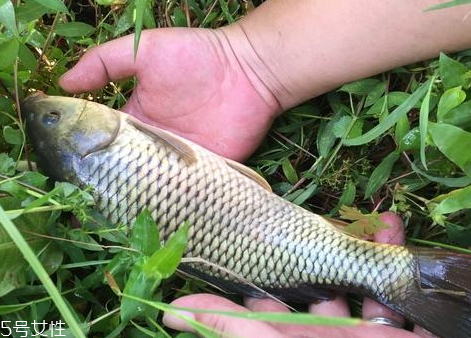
(111, 61)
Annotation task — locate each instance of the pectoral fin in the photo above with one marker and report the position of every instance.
(246, 171)
(181, 146)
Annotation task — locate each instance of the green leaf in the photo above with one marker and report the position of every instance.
(455, 200)
(31, 10)
(347, 197)
(145, 234)
(450, 99)
(363, 224)
(27, 58)
(164, 262)
(380, 175)
(138, 285)
(289, 171)
(326, 137)
(140, 7)
(391, 119)
(453, 73)
(56, 5)
(341, 126)
(73, 29)
(7, 17)
(7, 165)
(423, 122)
(459, 116)
(9, 50)
(360, 87)
(402, 128)
(12, 136)
(179, 18)
(454, 143)
(452, 182)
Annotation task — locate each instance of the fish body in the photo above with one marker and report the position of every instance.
(249, 235)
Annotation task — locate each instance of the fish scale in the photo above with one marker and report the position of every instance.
(271, 243)
(236, 222)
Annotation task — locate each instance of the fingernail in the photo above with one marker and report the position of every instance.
(179, 320)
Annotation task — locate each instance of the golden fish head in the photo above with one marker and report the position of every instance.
(63, 130)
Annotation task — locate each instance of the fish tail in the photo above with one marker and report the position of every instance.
(440, 298)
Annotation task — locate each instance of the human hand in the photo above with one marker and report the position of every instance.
(188, 81)
(245, 328)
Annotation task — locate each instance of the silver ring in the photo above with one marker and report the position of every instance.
(386, 321)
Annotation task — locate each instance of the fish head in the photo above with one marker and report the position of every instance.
(63, 130)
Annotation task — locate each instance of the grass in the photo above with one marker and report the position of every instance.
(383, 143)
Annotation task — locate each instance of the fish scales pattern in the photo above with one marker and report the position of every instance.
(235, 223)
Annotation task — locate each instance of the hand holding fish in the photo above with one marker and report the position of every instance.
(222, 88)
(189, 82)
(337, 307)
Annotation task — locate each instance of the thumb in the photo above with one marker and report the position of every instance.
(111, 61)
(223, 325)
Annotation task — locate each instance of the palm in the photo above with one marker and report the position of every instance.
(188, 82)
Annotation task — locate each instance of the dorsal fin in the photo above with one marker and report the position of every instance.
(246, 171)
(177, 143)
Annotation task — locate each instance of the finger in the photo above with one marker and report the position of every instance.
(394, 234)
(264, 305)
(111, 61)
(337, 307)
(226, 326)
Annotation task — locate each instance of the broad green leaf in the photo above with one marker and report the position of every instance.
(454, 143)
(423, 122)
(347, 197)
(56, 5)
(453, 73)
(381, 174)
(4, 309)
(73, 29)
(163, 263)
(459, 234)
(7, 17)
(375, 94)
(392, 99)
(300, 196)
(12, 136)
(391, 119)
(9, 50)
(27, 58)
(450, 99)
(289, 171)
(326, 137)
(145, 234)
(459, 116)
(410, 141)
(31, 10)
(453, 201)
(360, 87)
(179, 18)
(139, 285)
(402, 128)
(7, 165)
(341, 126)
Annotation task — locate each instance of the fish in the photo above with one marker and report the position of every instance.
(246, 238)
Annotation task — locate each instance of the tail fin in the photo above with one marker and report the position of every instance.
(440, 301)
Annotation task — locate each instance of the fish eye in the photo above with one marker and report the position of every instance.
(51, 117)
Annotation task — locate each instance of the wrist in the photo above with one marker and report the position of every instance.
(240, 51)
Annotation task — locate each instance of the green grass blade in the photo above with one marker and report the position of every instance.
(423, 122)
(392, 118)
(39, 270)
(449, 4)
